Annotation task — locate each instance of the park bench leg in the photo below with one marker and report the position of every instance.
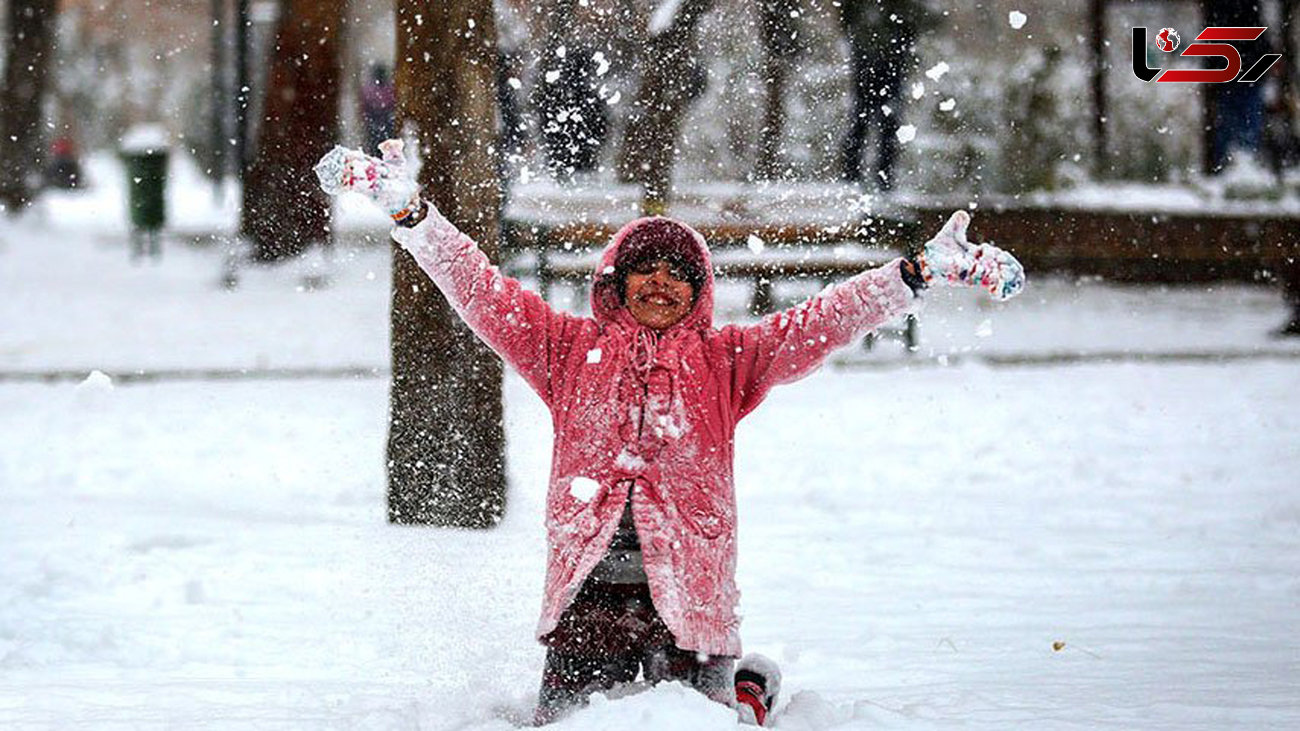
(761, 303)
(543, 275)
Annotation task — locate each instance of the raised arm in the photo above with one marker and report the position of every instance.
(789, 345)
(516, 323)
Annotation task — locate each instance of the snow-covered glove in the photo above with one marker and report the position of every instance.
(948, 259)
(388, 182)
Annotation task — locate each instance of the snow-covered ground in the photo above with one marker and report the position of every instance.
(917, 539)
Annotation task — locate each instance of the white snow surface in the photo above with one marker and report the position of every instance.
(914, 537)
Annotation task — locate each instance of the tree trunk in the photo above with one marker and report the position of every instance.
(446, 438)
(22, 146)
(779, 47)
(671, 78)
(285, 211)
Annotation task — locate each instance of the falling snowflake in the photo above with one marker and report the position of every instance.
(935, 72)
(1017, 19)
(906, 133)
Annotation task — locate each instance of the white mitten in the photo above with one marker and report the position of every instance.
(388, 182)
(948, 259)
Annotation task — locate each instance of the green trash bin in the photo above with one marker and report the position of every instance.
(146, 172)
(144, 154)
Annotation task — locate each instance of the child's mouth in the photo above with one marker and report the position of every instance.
(659, 300)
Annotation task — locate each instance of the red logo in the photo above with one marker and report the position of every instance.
(1167, 40)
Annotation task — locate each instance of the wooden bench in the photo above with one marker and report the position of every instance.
(823, 264)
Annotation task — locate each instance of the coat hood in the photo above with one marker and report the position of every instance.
(606, 300)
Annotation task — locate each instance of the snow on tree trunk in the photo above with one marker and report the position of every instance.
(671, 78)
(22, 150)
(446, 438)
(285, 212)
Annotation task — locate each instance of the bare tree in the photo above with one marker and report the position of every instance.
(671, 78)
(29, 41)
(446, 439)
(284, 211)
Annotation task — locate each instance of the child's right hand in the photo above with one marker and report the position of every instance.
(948, 259)
(388, 181)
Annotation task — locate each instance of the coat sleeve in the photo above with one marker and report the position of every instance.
(515, 322)
(788, 345)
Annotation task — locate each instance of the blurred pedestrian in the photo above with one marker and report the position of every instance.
(64, 170)
(378, 102)
(881, 35)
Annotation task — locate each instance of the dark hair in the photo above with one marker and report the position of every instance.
(660, 238)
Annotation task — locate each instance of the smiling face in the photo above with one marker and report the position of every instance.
(658, 294)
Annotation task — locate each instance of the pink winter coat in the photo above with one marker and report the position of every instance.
(651, 412)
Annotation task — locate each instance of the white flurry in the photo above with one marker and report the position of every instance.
(755, 244)
(583, 489)
(906, 133)
(593, 355)
(937, 71)
(947, 105)
(1017, 19)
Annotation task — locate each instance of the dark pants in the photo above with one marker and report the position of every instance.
(610, 634)
(877, 82)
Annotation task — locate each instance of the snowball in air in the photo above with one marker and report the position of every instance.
(1017, 19)
(906, 133)
(935, 72)
(583, 488)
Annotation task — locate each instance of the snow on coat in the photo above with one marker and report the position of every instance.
(649, 412)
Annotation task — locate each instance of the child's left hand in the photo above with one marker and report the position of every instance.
(948, 259)
(389, 182)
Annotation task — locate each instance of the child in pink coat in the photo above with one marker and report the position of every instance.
(644, 398)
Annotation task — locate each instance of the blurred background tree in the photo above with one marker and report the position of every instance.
(284, 211)
(29, 49)
(446, 435)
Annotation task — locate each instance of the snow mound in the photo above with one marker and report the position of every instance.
(666, 706)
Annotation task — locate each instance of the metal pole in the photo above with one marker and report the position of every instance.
(1101, 165)
(241, 88)
(1288, 50)
(218, 139)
